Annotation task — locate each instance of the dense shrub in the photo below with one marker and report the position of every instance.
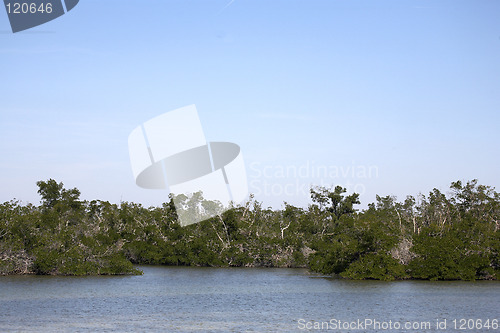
(437, 237)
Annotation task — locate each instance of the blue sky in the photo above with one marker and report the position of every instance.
(407, 90)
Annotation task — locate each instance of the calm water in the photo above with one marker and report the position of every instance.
(172, 299)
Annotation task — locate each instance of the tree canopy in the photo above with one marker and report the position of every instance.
(436, 236)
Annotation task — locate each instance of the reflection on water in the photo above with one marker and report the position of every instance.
(232, 299)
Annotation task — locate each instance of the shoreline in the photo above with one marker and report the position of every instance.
(309, 271)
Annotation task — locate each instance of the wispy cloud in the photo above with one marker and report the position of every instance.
(227, 5)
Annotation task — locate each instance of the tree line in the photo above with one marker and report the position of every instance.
(453, 236)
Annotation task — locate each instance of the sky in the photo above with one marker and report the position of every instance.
(380, 97)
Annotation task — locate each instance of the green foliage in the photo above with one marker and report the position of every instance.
(447, 254)
(46, 261)
(334, 202)
(438, 237)
(375, 266)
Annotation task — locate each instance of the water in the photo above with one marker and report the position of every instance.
(175, 299)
